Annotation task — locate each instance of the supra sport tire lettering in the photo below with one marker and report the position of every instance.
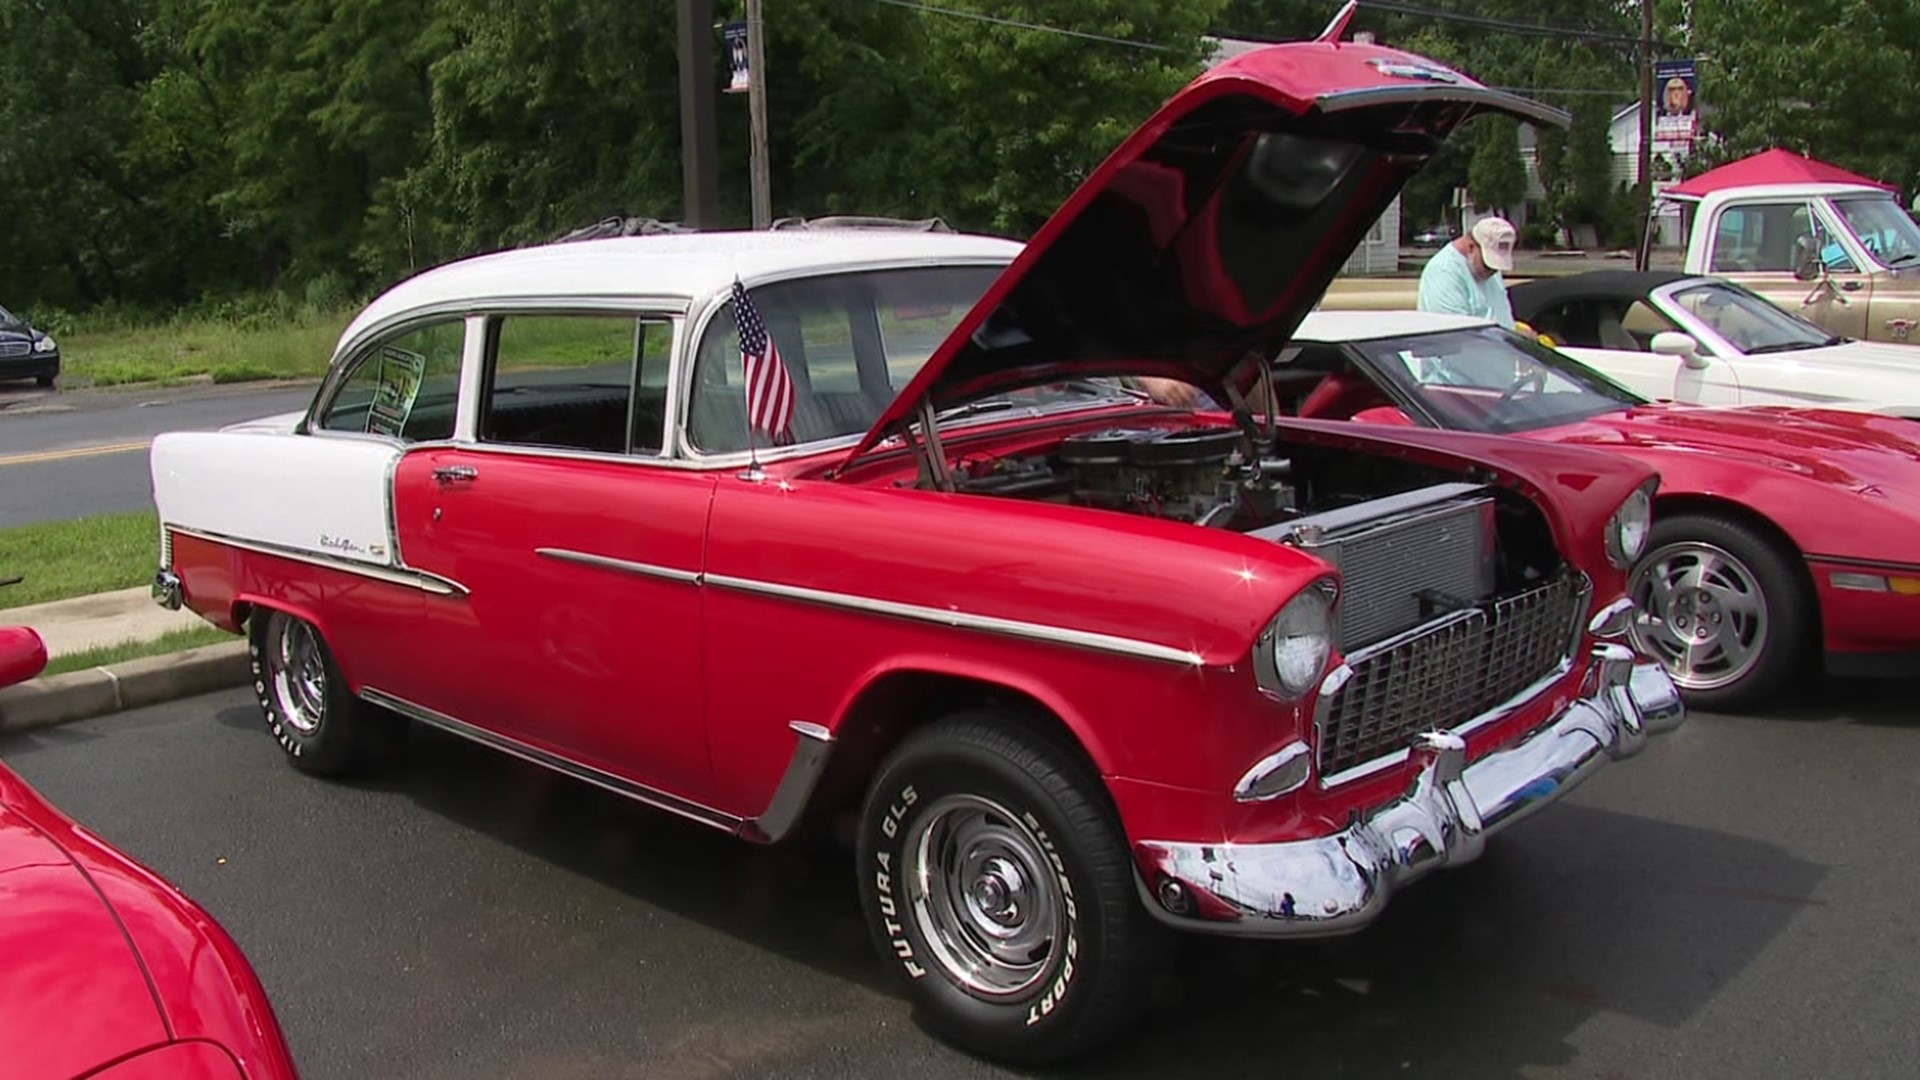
(994, 874)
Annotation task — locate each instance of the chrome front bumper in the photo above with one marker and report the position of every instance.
(1339, 883)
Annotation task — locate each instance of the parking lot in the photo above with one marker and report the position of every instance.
(1734, 903)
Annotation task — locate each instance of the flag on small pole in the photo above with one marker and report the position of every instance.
(769, 387)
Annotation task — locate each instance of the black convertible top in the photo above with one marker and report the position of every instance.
(1529, 298)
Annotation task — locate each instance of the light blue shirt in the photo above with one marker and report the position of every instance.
(1447, 286)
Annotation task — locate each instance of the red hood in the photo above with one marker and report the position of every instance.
(73, 994)
(1846, 449)
(1212, 231)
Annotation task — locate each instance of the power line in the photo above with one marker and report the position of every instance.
(998, 21)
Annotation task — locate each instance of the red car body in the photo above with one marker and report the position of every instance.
(106, 970)
(1838, 490)
(735, 635)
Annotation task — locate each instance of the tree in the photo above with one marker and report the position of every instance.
(1497, 178)
(1824, 77)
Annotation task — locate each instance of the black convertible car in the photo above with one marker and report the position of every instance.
(26, 353)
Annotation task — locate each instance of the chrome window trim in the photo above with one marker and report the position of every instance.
(473, 380)
(348, 358)
(991, 624)
(413, 579)
(623, 566)
(702, 314)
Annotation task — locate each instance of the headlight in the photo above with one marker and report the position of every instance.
(1292, 653)
(1628, 529)
(45, 344)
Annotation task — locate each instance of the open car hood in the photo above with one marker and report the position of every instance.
(1214, 228)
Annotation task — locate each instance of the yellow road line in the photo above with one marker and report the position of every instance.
(76, 452)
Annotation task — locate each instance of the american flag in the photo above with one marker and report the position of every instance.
(769, 387)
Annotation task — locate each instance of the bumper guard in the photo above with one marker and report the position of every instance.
(1335, 884)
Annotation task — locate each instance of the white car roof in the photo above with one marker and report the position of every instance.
(1771, 192)
(1334, 327)
(685, 266)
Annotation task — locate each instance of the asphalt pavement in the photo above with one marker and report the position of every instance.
(1736, 902)
(75, 454)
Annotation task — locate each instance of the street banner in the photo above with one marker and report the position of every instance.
(1676, 97)
(736, 34)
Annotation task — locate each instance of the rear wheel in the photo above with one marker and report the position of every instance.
(996, 878)
(323, 728)
(1722, 608)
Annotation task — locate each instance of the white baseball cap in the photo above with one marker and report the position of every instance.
(1495, 237)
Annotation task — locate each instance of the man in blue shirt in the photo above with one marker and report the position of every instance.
(1463, 278)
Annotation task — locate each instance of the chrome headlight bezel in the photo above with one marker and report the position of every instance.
(1290, 656)
(1630, 529)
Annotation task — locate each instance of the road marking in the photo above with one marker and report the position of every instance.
(76, 452)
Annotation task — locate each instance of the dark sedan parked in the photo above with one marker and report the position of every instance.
(26, 353)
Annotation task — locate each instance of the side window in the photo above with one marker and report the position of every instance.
(406, 387)
(577, 382)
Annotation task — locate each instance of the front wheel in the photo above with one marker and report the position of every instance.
(997, 880)
(1722, 608)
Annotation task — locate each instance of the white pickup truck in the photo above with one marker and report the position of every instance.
(1843, 256)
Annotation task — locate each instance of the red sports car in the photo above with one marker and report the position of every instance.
(107, 971)
(1779, 534)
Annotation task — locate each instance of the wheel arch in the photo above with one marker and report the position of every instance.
(246, 607)
(901, 700)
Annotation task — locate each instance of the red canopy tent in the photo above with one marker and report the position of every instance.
(1774, 166)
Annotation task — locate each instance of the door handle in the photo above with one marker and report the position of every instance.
(452, 474)
(1850, 286)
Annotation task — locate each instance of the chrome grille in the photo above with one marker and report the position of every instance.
(11, 349)
(1443, 674)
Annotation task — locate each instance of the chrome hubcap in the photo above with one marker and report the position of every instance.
(1701, 614)
(983, 896)
(299, 675)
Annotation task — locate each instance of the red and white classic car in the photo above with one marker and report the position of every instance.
(106, 970)
(1090, 666)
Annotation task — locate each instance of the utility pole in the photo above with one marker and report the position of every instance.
(1641, 254)
(757, 111)
(699, 136)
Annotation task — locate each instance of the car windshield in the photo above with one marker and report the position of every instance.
(850, 342)
(1491, 380)
(9, 321)
(1748, 322)
(1883, 228)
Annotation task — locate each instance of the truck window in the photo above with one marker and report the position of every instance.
(1759, 237)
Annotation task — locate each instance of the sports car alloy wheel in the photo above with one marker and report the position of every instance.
(983, 896)
(1706, 616)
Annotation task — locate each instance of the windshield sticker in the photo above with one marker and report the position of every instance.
(399, 384)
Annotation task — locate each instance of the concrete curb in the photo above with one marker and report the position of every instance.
(83, 695)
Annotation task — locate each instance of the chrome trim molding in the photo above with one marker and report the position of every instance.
(659, 800)
(1276, 774)
(963, 620)
(810, 755)
(1337, 883)
(412, 579)
(1611, 621)
(812, 750)
(623, 566)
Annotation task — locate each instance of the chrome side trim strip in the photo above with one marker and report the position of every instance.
(659, 800)
(790, 799)
(412, 579)
(963, 620)
(623, 566)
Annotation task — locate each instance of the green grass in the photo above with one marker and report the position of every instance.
(173, 641)
(62, 559)
(184, 348)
